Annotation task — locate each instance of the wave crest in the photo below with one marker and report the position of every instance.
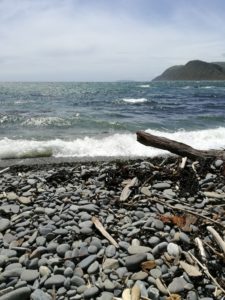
(112, 145)
(134, 101)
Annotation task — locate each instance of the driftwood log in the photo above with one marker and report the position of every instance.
(178, 148)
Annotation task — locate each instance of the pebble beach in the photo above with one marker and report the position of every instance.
(113, 229)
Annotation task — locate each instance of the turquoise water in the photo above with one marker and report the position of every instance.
(65, 119)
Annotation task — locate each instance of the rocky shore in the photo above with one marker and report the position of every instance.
(144, 229)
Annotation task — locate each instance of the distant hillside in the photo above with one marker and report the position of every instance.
(195, 70)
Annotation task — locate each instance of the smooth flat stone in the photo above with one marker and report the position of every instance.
(133, 262)
(91, 293)
(138, 249)
(4, 224)
(85, 263)
(161, 186)
(24, 200)
(20, 293)
(29, 275)
(77, 281)
(12, 196)
(179, 284)
(93, 268)
(57, 280)
(139, 276)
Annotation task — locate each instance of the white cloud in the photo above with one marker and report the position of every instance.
(63, 40)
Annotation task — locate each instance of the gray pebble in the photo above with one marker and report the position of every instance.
(57, 280)
(106, 296)
(61, 249)
(91, 292)
(77, 281)
(138, 249)
(20, 293)
(93, 268)
(133, 262)
(110, 251)
(161, 186)
(84, 264)
(179, 284)
(173, 249)
(29, 275)
(4, 224)
(110, 263)
(38, 294)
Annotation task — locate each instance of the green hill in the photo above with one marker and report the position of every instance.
(195, 70)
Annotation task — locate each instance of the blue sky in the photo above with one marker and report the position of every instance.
(106, 40)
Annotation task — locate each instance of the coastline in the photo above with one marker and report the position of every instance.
(52, 161)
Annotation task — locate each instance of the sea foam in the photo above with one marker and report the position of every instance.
(133, 101)
(112, 145)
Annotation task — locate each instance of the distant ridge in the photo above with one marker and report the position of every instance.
(194, 70)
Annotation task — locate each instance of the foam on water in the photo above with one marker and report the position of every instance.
(144, 85)
(133, 101)
(113, 145)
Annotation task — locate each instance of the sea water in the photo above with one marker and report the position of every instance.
(100, 119)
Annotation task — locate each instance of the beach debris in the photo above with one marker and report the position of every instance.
(126, 295)
(100, 227)
(200, 246)
(190, 270)
(178, 148)
(183, 162)
(174, 297)
(127, 189)
(214, 195)
(135, 292)
(220, 242)
(4, 170)
(148, 265)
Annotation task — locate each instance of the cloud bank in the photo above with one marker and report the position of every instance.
(90, 40)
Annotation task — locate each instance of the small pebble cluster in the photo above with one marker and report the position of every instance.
(51, 249)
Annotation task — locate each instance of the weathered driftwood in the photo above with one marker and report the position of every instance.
(178, 148)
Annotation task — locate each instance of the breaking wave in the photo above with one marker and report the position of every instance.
(112, 145)
(134, 101)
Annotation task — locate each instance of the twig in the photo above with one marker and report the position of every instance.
(217, 238)
(100, 227)
(206, 271)
(214, 251)
(199, 244)
(4, 170)
(187, 211)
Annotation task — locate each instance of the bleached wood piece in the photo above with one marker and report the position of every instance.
(217, 238)
(101, 228)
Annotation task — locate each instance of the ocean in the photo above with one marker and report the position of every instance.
(100, 119)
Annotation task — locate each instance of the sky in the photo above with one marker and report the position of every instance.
(106, 40)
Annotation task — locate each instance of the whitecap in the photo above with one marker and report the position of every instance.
(144, 85)
(134, 101)
(113, 145)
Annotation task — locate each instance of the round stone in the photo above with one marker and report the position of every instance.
(77, 281)
(110, 251)
(44, 271)
(173, 249)
(61, 249)
(91, 293)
